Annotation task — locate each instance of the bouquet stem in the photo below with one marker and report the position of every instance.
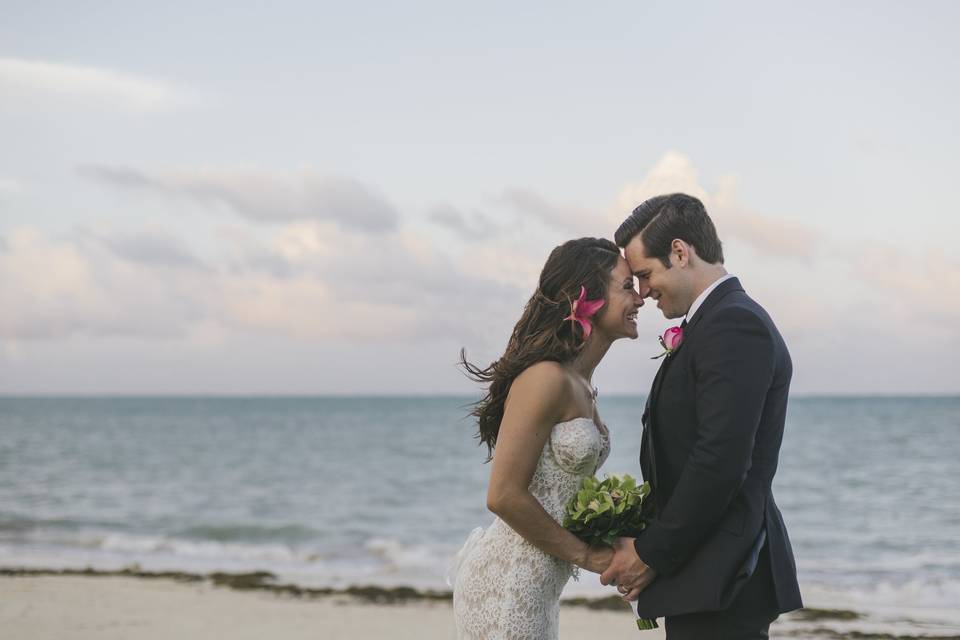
(645, 624)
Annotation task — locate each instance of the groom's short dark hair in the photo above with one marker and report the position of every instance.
(666, 218)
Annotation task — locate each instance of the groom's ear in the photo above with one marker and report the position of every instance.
(680, 253)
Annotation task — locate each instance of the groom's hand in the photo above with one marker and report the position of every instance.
(598, 559)
(627, 570)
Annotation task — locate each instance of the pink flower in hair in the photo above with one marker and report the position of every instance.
(583, 309)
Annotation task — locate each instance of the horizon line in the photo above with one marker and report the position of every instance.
(408, 395)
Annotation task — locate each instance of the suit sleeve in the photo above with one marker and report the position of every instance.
(733, 369)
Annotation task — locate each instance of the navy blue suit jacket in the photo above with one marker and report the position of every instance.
(712, 430)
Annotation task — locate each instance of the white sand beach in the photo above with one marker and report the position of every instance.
(108, 608)
(63, 606)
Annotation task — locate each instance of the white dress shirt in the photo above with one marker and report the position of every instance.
(703, 296)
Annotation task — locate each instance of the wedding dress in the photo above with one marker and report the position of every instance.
(504, 587)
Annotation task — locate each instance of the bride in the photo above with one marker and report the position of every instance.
(539, 421)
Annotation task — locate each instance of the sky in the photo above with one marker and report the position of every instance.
(335, 198)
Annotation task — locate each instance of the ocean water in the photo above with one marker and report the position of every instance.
(342, 491)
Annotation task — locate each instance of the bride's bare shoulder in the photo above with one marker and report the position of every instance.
(544, 373)
(542, 388)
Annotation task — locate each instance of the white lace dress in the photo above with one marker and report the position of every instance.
(504, 587)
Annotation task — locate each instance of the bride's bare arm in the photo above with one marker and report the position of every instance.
(535, 403)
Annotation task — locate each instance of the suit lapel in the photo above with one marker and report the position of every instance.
(646, 445)
(725, 287)
(657, 382)
(665, 364)
(689, 326)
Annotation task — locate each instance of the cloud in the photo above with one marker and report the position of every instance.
(56, 287)
(310, 274)
(475, 226)
(152, 248)
(673, 172)
(80, 284)
(764, 232)
(51, 82)
(262, 196)
(404, 270)
(309, 309)
(566, 216)
(305, 281)
(926, 287)
(316, 283)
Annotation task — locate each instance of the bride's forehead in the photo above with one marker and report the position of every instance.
(622, 269)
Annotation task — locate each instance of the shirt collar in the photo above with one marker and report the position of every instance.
(703, 296)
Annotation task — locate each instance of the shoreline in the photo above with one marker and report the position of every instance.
(133, 605)
(341, 609)
(266, 581)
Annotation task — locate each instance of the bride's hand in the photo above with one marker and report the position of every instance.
(597, 559)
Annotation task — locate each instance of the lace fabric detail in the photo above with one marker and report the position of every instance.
(505, 588)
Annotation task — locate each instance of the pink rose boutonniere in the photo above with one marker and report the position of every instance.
(582, 310)
(670, 340)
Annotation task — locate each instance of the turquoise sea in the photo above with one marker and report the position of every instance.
(343, 491)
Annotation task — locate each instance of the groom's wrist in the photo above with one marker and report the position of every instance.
(649, 556)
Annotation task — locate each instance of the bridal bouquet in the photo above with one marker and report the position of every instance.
(604, 510)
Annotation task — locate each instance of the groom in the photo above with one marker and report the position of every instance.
(715, 559)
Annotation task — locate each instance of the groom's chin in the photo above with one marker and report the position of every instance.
(670, 314)
(663, 310)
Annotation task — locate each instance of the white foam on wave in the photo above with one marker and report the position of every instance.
(925, 599)
(138, 544)
(905, 562)
(110, 550)
(378, 561)
(398, 555)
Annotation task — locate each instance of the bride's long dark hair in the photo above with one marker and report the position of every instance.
(542, 333)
